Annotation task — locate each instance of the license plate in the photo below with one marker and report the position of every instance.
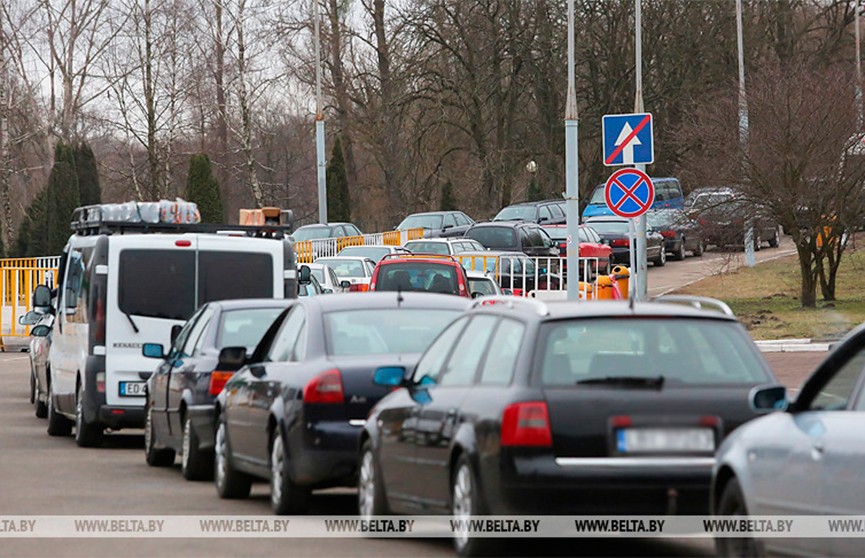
(668, 440)
(132, 389)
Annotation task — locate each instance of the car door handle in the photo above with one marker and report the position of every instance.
(817, 450)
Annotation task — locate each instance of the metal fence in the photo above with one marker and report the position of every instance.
(18, 278)
(309, 250)
(535, 277)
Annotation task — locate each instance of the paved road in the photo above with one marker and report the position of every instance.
(676, 275)
(40, 475)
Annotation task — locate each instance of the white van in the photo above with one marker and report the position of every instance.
(127, 284)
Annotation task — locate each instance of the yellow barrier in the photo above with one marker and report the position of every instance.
(18, 278)
(307, 251)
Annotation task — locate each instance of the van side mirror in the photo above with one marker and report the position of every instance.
(231, 358)
(41, 330)
(41, 297)
(303, 277)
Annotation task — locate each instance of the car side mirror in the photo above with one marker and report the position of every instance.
(477, 294)
(326, 290)
(768, 399)
(30, 318)
(40, 331)
(345, 284)
(41, 297)
(304, 275)
(153, 350)
(231, 358)
(390, 376)
(175, 331)
(507, 292)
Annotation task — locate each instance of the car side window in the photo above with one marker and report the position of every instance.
(836, 392)
(334, 280)
(500, 363)
(351, 230)
(557, 211)
(546, 215)
(461, 220)
(449, 221)
(197, 332)
(525, 242)
(182, 337)
(471, 347)
(535, 237)
(286, 339)
(430, 364)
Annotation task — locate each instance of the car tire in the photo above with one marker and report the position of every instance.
(155, 457)
(195, 463)
(680, 253)
(466, 503)
(41, 409)
(371, 498)
(776, 239)
(286, 497)
(230, 483)
(661, 260)
(32, 386)
(87, 434)
(58, 425)
(732, 503)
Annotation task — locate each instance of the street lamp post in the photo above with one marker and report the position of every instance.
(321, 164)
(750, 260)
(642, 265)
(572, 177)
(859, 111)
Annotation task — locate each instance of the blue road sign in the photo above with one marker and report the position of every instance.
(628, 139)
(629, 193)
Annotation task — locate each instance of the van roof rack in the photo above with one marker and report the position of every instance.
(88, 221)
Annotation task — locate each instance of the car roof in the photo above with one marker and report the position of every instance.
(389, 299)
(443, 240)
(433, 213)
(341, 258)
(371, 246)
(606, 218)
(244, 303)
(495, 253)
(478, 274)
(508, 224)
(602, 309)
(420, 257)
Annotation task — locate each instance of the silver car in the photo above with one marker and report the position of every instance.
(806, 459)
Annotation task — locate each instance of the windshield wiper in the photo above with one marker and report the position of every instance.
(131, 321)
(625, 381)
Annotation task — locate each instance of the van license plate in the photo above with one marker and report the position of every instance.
(671, 440)
(132, 389)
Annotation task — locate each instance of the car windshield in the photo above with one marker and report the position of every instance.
(517, 213)
(375, 253)
(607, 227)
(681, 350)
(557, 233)
(384, 331)
(418, 276)
(311, 233)
(421, 247)
(421, 222)
(344, 269)
(485, 286)
(598, 196)
(494, 237)
(245, 328)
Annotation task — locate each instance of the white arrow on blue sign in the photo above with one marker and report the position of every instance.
(628, 139)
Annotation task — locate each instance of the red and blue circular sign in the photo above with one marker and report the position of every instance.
(629, 193)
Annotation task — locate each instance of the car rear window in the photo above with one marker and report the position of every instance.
(245, 328)
(157, 283)
(418, 276)
(522, 212)
(344, 269)
(384, 331)
(421, 222)
(486, 287)
(615, 227)
(427, 247)
(373, 253)
(683, 351)
(312, 233)
(233, 275)
(494, 237)
(598, 196)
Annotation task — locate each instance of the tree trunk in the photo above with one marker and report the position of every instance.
(808, 296)
(343, 103)
(246, 111)
(219, 79)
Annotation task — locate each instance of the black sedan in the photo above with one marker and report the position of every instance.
(294, 415)
(572, 408)
(180, 394)
(680, 233)
(614, 231)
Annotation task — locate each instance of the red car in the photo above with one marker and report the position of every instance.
(420, 272)
(591, 245)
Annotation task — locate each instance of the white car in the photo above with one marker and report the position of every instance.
(375, 252)
(326, 277)
(805, 459)
(443, 246)
(483, 284)
(354, 273)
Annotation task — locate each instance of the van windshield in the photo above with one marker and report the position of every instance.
(161, 283)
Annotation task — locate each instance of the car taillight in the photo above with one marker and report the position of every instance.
(526, 424)
(99, 322)
(218, 379)
(620, 242)
(100, 382)
(668, 234)
(324, 388)
(358, 288)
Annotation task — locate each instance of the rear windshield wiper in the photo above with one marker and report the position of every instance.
(627, 381)
(131, 321)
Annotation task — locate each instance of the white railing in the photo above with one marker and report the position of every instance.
(18, 278)
(310, 250)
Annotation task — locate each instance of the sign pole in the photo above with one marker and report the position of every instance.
(572, 176)
(748, 237)
(641, 264)
(321, 164)
(632, 236)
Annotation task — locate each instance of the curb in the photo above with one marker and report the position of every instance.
(793, 346)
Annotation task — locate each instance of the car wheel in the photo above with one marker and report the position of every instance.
(466, 503)
(776, 239)
(286, 497)
(32, 386)
(58, 425)
(154, 456)
(195, 463)
(371, 499)
(87, 434)
(230, 483)
(41, 406)
(732, 503)
(661, 260)
(680, 253)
